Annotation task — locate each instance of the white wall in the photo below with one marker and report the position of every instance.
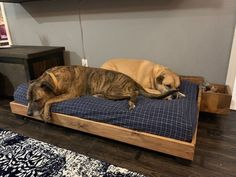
(193, 37)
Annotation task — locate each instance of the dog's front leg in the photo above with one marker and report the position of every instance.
(47, 106)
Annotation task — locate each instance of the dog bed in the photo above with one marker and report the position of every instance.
(174, 119)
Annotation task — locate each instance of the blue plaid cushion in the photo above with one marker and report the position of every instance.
(175, 119)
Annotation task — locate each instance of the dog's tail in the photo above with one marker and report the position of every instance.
(143, 92)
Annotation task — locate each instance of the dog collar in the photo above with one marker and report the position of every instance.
(53, 78)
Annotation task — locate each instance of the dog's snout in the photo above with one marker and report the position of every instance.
(29, 112)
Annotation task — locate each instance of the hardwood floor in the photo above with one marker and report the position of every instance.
(215, 151)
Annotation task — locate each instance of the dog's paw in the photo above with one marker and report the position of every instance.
(131, 105)
(180, 95)
(46, 116)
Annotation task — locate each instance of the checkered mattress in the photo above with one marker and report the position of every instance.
(175, 119)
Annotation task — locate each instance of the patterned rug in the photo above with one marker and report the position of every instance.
(26, 157)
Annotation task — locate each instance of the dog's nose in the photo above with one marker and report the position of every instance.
(29, 112)
(174, 96)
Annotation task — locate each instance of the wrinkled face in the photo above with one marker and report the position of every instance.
(167, 81)
(38, 94)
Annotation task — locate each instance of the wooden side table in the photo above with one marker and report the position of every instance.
(217, 102)
(20, 64)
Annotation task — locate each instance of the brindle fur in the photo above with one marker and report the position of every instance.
(76, 81)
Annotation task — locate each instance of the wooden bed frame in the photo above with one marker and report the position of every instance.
(162, 144)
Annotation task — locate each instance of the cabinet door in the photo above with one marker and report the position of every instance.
(231, 75)
(11, 75)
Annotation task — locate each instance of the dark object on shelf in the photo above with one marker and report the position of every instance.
(24, 63)
(17, 1)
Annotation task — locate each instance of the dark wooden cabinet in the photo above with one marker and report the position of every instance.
(17, 1)
(20, 64)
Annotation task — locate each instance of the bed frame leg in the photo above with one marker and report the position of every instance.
(20, 116)
(183, 161)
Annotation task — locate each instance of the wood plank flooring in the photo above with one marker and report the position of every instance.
(215, 151)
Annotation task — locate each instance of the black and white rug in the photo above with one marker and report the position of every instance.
(26, 157)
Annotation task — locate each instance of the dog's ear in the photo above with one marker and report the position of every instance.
(160, 78)
(31, 81)
(29, 93)
(47, 86)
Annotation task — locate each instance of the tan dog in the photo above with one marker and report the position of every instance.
(154, 78)
(66, 82)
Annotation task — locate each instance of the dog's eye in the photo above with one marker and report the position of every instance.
(169, 86)
(37, 100)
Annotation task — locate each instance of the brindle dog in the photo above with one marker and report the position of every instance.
(66, 82)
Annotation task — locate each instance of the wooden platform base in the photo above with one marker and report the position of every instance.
(170, 146)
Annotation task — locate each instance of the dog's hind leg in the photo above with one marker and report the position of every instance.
(133, 100)
(132, 103)
(114, 97)
(131, 96)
